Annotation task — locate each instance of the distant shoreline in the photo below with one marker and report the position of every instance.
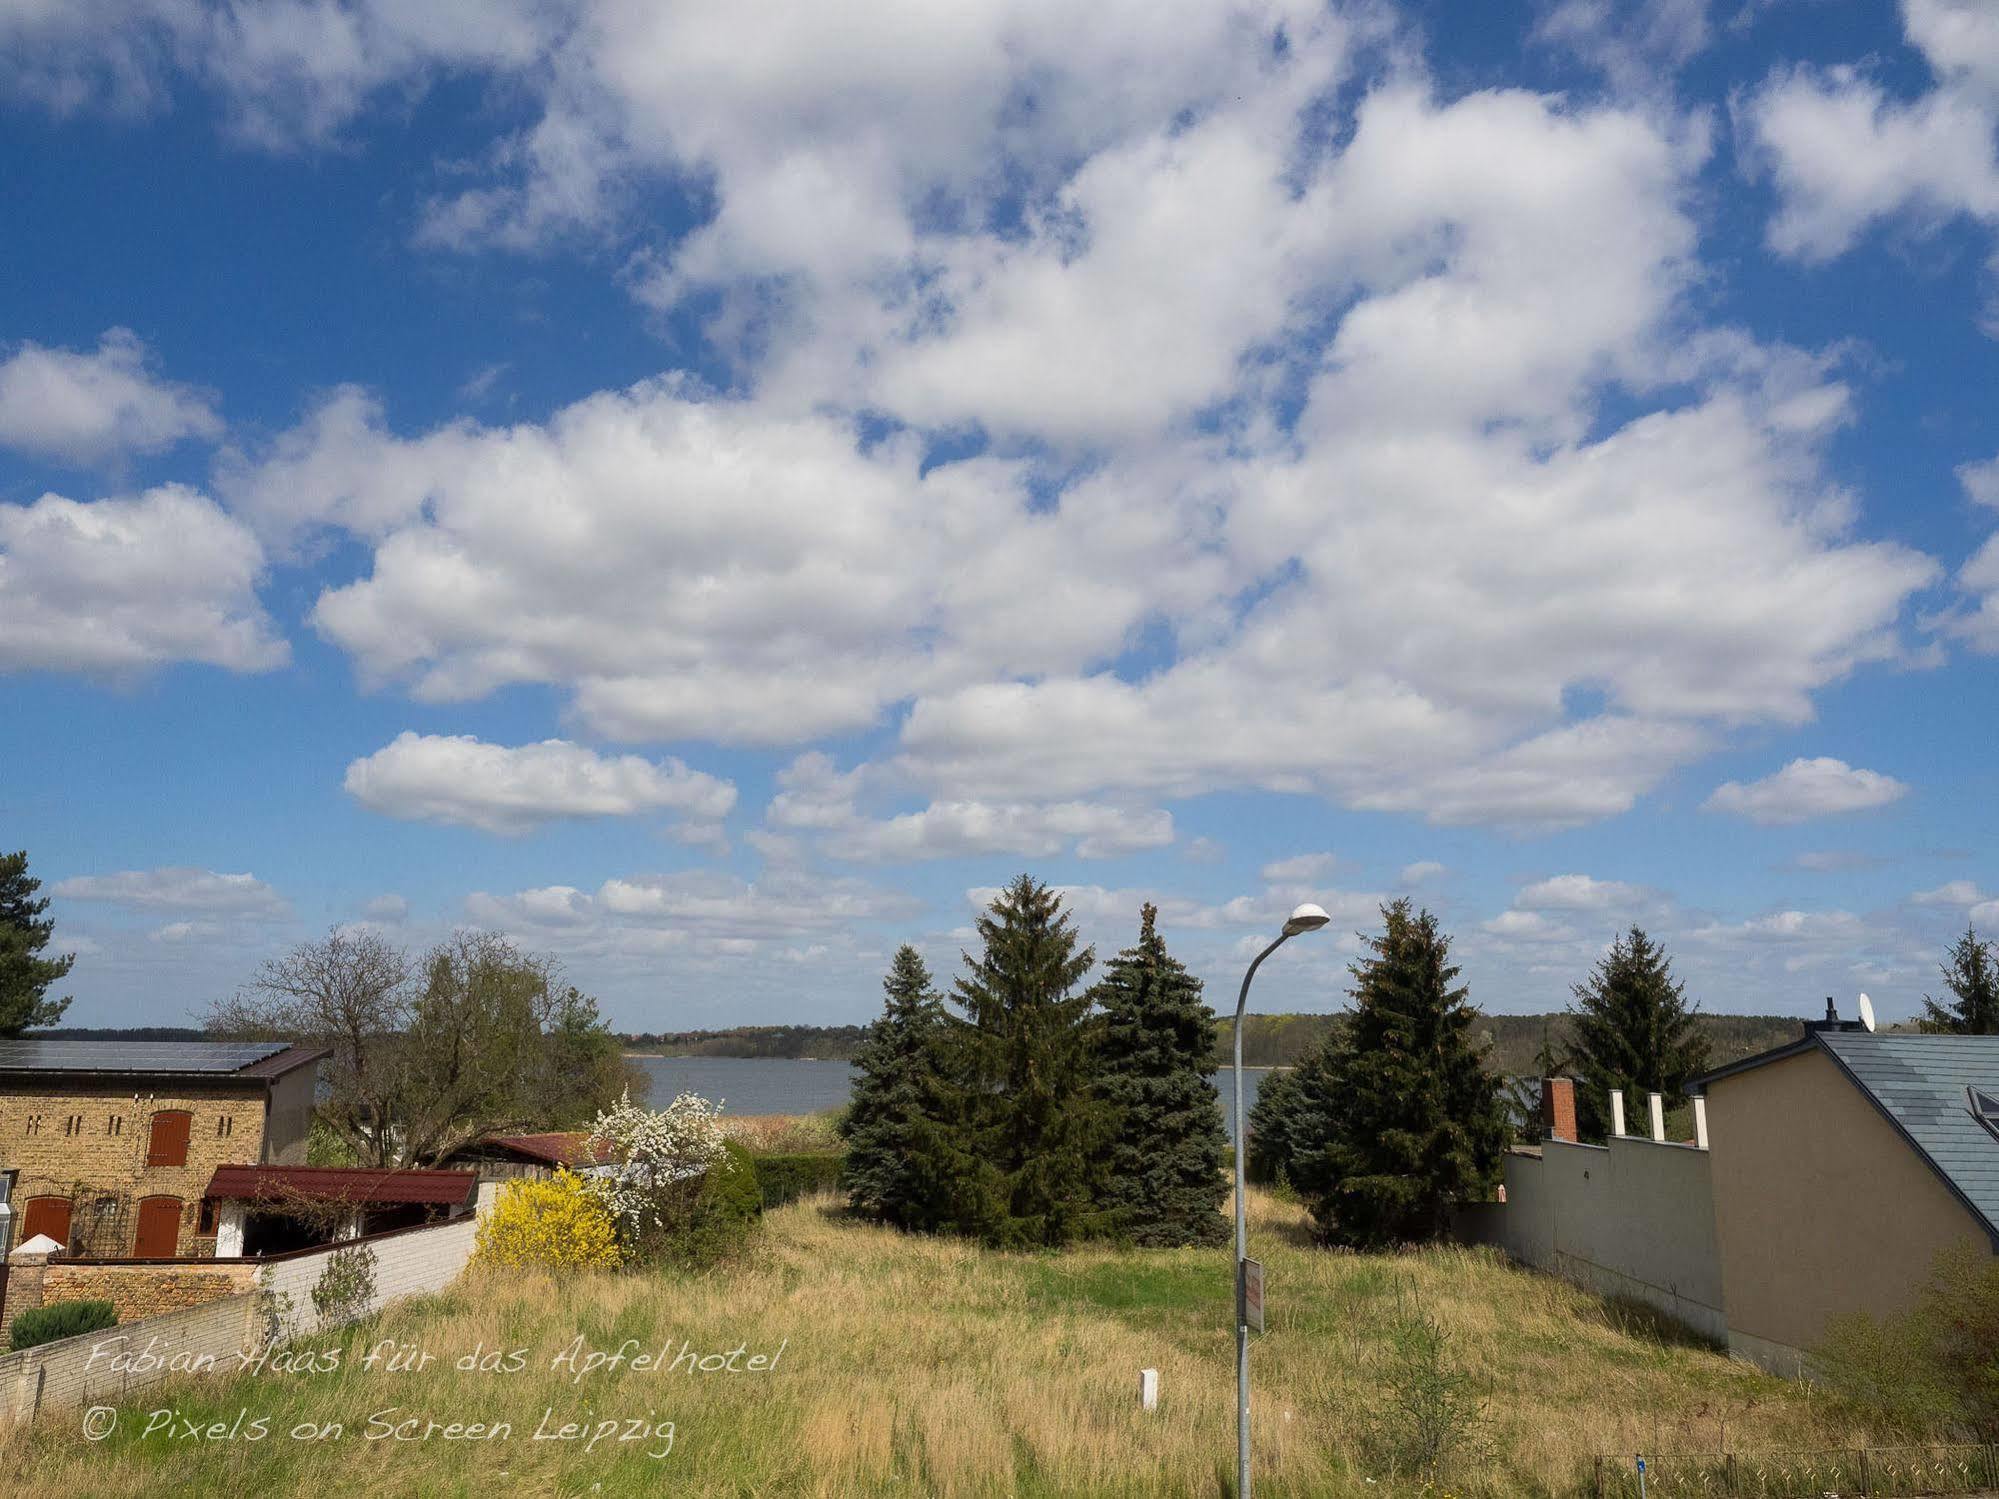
(709, 1056)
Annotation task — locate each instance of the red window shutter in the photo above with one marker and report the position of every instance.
(159, 1228)
(46, 1215)
(168, 1146)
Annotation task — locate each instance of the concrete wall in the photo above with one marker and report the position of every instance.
(408, 1262)
(1820, 1207)
(1634, 1218)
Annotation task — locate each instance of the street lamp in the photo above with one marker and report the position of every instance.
(1307, 918)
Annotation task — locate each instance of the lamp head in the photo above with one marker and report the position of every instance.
(1307, 918)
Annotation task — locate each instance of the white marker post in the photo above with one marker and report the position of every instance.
(1148, 1389)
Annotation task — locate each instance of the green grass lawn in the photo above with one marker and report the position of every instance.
(927, 1367)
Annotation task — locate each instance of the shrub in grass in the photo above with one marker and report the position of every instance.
(47, 1324)
(555, 1223)
(723, 1209)
(789, 1176)
(1933, 1371)
(1431, 1421)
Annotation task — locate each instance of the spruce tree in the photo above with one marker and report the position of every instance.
(1970, 977)
(1289, 1124)
(895, 1100)
(1633, 1031)
(1414, 1116)
(1012, 1150)
(1161, 1181)
(25, 975)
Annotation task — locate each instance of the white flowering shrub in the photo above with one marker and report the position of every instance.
(650, 1160)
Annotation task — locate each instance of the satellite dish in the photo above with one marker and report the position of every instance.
(1867, 1012)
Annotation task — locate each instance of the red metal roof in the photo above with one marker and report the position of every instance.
(564, 1148)
(359, 1184)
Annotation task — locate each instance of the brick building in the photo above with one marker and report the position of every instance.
(108, 1147)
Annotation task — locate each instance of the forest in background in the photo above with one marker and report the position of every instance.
(1267, 1040)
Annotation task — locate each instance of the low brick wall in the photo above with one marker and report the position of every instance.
(146, 1290)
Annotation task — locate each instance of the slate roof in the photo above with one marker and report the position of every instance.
(1919, 1082)
(358, 1184)
(259, 1059)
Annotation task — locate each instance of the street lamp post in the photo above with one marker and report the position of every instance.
(1307, 918)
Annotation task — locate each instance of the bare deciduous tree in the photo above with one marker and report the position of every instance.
(474, 1039)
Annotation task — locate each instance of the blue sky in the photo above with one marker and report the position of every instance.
(711, 496)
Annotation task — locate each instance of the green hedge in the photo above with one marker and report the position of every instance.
(725, 1212)
(784, 1178)
(46, 1324)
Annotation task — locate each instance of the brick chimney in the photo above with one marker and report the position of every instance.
(1558, 1108)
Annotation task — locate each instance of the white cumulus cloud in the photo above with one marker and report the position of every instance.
(460, 779)
(1805, 789)
(176, 888)
(84, 408)
(1576, 892)
(119, 586)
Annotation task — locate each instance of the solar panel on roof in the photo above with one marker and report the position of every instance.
(134, 1056)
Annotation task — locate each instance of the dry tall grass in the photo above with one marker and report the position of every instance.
(925, 1367)
(782, 1134)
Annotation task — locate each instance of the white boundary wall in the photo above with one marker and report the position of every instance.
(406, 1264)
(54, 1376)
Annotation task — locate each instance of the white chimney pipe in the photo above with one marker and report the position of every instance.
(1700, 1122)
(1658, 1118)
(1617, 1112)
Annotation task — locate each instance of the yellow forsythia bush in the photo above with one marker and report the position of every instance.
(555, 1223)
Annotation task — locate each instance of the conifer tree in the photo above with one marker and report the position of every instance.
(895, 1100)
(1415, 1118)
(1633, 1031)
(1161, 1181)
(1289, 1124)
(25, 975)
(1971, 977)
(1013, 1148)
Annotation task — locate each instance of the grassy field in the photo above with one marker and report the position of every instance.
(920, 1367)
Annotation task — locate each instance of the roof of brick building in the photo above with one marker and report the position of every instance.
(262, 1060)
(357, 1184)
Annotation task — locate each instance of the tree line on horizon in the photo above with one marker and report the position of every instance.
(1515, 1043)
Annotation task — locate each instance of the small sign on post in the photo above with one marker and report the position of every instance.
(1252, 1294)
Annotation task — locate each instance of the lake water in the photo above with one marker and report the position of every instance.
(757, 1085)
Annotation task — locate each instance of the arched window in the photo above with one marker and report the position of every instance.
(168, 1146)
